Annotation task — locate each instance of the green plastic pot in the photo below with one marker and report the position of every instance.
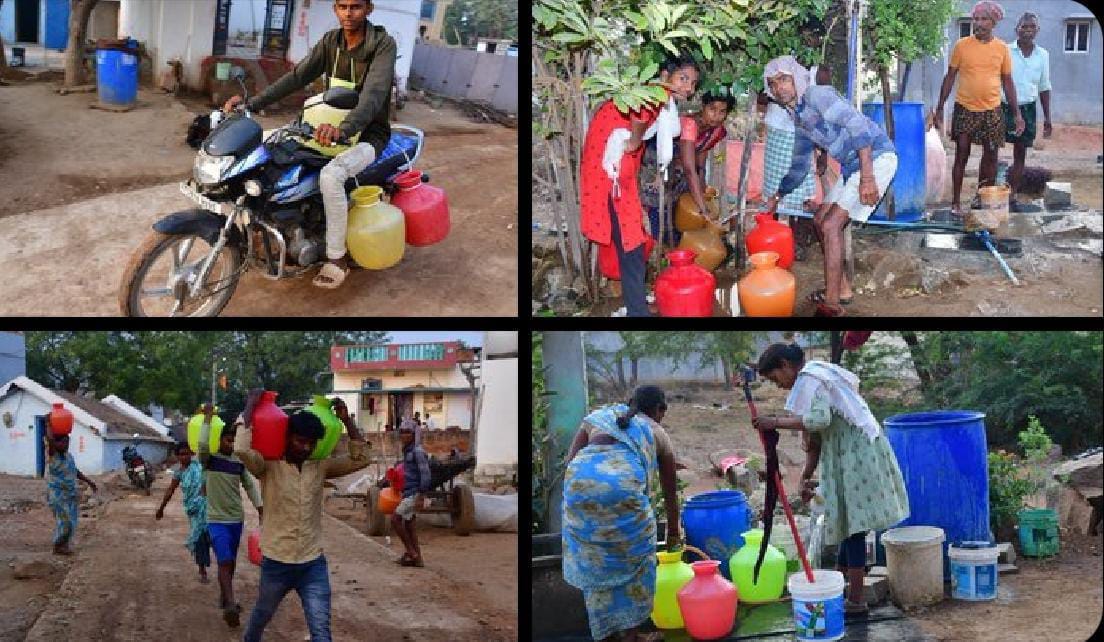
(333, 426)
(1038, 530)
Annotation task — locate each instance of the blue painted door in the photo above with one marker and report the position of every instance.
(57, 24)
(40, 447)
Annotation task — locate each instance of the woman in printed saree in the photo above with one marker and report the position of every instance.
(609, 528)
(859, 479)
(61, 491)
(190, 479)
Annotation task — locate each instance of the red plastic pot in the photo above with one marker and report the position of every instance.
(771, 236)
(269, 427)
(607, 258)
(425, 208)
(254, 546)
(708, 602)
(685, 289)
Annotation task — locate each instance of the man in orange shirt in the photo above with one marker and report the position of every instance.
(986, 65)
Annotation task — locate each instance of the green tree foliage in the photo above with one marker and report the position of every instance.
(173, 369)
(473, 19)
(1055, 376)
(896, 31)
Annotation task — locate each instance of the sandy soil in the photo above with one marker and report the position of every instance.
(1055, 281)
(488, 562)
(132, 580)
(55, 151)
(1059, 599)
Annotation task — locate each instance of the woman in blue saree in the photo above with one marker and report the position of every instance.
(609, 528)
(190, 479)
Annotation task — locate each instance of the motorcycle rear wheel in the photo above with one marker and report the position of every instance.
(145, 279)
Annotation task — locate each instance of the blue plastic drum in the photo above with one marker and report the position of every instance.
(910, 184)
(714, 522)
(944, 461)
(117, 77)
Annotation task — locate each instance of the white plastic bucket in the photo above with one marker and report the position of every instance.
(914, 564)
(817, 607)
(974, 571)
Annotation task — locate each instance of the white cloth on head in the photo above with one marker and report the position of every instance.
(666, 128)
(790, 66)
(842, 388)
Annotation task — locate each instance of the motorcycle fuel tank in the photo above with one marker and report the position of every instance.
(234, 136)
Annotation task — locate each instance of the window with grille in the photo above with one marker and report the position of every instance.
(965, 28)
(1077, 35)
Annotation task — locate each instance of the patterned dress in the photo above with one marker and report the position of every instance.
(704, 140)
(195, 507)
(596, 188)
(62, 496)
(861, 482)
(609, 530)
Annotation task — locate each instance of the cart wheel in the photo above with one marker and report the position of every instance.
(377, 521)
(463, 509)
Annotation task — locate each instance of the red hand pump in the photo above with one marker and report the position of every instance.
(749, 375)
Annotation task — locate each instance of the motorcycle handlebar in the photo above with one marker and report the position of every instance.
(307, 131)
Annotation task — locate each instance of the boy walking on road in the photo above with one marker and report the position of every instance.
(416, 482)
(224, 476)
(291, 538)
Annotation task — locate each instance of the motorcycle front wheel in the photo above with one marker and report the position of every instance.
(157, 280)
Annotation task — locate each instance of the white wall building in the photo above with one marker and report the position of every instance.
(496, 435)
(172, 29)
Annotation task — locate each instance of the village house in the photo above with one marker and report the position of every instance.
(100, 432)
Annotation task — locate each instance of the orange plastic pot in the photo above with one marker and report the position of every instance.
(61, 420)
(389, 500)
(687, 215)
(709, 250)
(768, 290)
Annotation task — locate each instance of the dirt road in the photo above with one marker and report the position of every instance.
(131, 579)
(79, 189)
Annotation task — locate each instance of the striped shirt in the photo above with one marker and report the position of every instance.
(824, 119)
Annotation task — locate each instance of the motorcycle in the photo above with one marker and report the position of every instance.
(257, 205)
(139, 472)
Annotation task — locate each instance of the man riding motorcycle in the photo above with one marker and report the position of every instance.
(358, 56)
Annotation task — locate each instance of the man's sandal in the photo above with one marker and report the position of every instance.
(825, 310)
(330, 276)
(818, 297)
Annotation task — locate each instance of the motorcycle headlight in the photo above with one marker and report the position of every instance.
(208, 170)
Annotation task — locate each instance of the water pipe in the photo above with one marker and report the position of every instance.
(984, 236)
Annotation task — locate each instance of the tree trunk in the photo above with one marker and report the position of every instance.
(887, 103)
(741, 190)
(621, 372)
(79, 12)
(634, 364)
(917, 359)
(727, 366)
(836, 343)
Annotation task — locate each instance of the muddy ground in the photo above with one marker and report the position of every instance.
(1057, 277)
(131, 579)
(1058, 599)
(79, 189)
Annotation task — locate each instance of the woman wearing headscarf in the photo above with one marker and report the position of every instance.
(609, 194)
(985, 64)
(609, 527)
(860, 480)
(822, 118)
